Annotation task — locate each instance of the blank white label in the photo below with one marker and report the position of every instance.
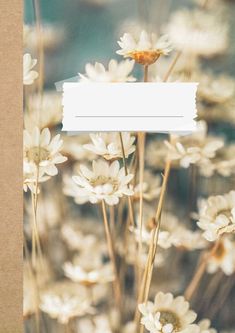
(146, 107)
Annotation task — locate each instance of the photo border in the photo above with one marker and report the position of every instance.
(11, 199)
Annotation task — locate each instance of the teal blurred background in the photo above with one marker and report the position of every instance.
(92, 30)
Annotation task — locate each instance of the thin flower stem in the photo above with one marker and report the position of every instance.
(172, 66)
(196, 279)
(67, 328)
(130, 204)
(35, 235)
(146, 69)
(36, 6)
(146, 282)
(37, 315)
(40, 81)
(147, 271)
(37, 186)
(163, 189)
(112, 220)
(141, 151)
(199, 272)
(117, 288)
(141, 147)
(152, 259)
(32, 275)
(130, 219)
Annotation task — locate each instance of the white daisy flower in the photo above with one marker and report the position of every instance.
(129, 253)
(78, 240)
(215, 89)
(222, 258)
(85, 269)
(171, 233)
(28, 75)
(104, 182)
(116, 72)
(168, 315)
(98, 324)
(50, 36)
(32, 177)
(64, 301)
(195, 148)
(204, 326)
(198, 32)
(108, 145)
(72, 190)
(101, 274)
(73, 148)
(42, 152)
(217, 215)
(146, 50)
(223, 163)
(48, 107)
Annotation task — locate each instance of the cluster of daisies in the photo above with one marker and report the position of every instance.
(123, 230)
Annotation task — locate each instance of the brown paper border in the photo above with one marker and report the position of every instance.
(11, 215)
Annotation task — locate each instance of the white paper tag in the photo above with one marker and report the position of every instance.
(147, 107)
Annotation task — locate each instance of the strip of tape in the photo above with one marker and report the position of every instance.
(147, 107)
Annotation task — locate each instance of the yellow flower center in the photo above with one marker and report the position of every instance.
(145, 58)
(220, 251)
(225, 212)
(102, 180)
(37, 154)
(168, 317)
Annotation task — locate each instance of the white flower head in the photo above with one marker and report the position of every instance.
(97, 324)
(204, 326)
(215, 89)
(72, 190)
(50, 36)
(74, 148)
(32, 177)
(64, 301)
(116, 72)
(105, 181)
(223, 163)
(42, 152)
(28, 74)
(146, 50)
(49, 108)
(109, 145)
(196, 148)
(172, 232)
(88, 277)
(198, 32)
(217, 215)
(78, 240)
(168, 315)
(223, 257)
